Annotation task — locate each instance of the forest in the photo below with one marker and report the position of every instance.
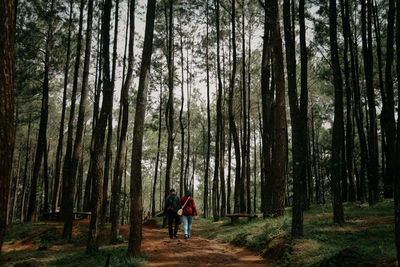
(284, 112)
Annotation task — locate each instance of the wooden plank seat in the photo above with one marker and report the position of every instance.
(56, 216)
(234, 216)
(79, 215)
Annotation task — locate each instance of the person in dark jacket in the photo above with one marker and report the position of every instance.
(189, 210)
(171, 209)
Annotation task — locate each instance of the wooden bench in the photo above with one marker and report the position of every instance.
(56, 216)
(235, 216)
(79, 215)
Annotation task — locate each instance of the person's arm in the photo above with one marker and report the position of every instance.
(194, 209)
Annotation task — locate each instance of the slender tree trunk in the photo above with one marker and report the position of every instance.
(46, 179)
(13, 203)
(219, 120)
(153, 203)
(170, 104)
(7, 138)
(119, 159)
(280, 141)
(266, 201)
(41, 143)
(57, 174)
(372, 135)
(349, 110)
(25, 180)
(298, 114)
(389, 119)
(396, 180)
(358, 112)
(70, 190)
(66, 203)
(188, 91)
(99, 134)
(182, 156)
(337, 135)
(206, 174)
(135, 235)
(232, 123)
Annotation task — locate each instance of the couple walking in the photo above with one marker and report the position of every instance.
(174, 207)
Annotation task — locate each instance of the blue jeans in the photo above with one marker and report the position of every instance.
(187, 224)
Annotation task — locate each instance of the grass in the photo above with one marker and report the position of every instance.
(117, 258)
(367, 236)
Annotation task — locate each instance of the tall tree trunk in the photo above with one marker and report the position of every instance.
(182, 156)
(358, 111)
(170, 104)
(153, 195)
(66, 202)
(396, 180)
(25, 180)
(206, 174)
(188, 91)
(41, 143)
(13, 203)
(368, 68)
(96, 149)
(135, 235)
(337, 134)
(390, 122)
(314, 139)
(57, 174)
(279, 147)
(46, 179)
(7, 139)
(232, 124)
(387, 176)
(298, 114)
(266, 199)
(119, 159)
(351, 196)
(70, 190)
(219, 120)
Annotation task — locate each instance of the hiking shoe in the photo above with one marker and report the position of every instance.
(175, 236)
(186, 236)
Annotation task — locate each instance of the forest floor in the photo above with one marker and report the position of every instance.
(366, 239)
(38, 244)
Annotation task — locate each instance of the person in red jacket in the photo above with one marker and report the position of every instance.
(189, 210)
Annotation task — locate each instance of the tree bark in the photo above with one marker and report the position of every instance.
(372, 129)
(57, 174)
(119, 159)
(41, 143)
(337, 135)
(170, 104)
(70, 191)
(279, 148)
(96, 149)
(7, 139)
(153, 202)
(206, 174)
(135, 235)
(66, 202)
(232, 124)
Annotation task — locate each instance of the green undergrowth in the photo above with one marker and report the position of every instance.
(116, 255)
(366, 238)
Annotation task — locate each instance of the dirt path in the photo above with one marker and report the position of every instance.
(197, 251)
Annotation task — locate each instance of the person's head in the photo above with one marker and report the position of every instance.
(188, 193)
(172, 191)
